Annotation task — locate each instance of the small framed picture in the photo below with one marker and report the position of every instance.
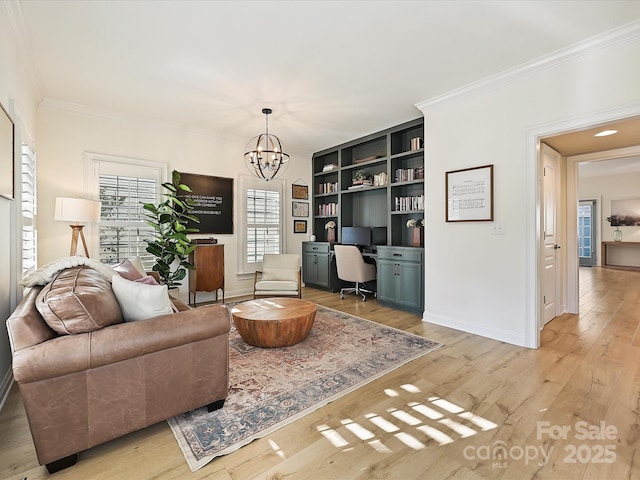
(300, 209)
(299, 226)
(300, 192)
(470, 194)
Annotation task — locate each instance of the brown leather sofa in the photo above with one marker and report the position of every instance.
(82, 389)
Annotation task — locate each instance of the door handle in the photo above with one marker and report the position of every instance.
(556, 247)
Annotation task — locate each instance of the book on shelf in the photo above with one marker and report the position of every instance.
(380, 179)
(328, 187)
(329, 167)
(328, 209)
(404, 204)
(409, 174)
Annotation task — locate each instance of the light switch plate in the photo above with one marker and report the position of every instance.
(497, 228)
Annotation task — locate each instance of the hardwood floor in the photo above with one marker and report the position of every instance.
(474, 409)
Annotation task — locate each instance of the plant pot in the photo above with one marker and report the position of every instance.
(415, 237)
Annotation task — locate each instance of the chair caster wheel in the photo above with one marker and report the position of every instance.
(341, 296)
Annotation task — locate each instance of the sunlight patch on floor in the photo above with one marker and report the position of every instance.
(436, 420)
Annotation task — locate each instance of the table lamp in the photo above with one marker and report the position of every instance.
(79, 211)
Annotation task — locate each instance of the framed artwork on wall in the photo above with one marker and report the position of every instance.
(625, 213)
(299, 226)
(470, 194)
(299, 209)
(213, 201)
(300, 192)
(7, 138)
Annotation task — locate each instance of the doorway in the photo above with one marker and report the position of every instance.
(535, 245)
(587, 233)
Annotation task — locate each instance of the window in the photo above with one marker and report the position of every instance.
(29, 233)
(123, 185)
(261, 225)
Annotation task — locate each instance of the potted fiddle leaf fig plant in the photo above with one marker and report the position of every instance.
(170, 244)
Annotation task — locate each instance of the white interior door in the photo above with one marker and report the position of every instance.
(551, 190)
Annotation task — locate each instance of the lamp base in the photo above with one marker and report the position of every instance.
(77, 231)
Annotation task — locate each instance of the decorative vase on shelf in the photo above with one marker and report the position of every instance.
(415, 239)
(331, 235)
(617, 235)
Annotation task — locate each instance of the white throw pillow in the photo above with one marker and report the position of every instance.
(139, 301)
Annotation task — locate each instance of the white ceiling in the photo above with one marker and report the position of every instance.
(330, 70)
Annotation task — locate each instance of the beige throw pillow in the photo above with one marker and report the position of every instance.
(139, 301)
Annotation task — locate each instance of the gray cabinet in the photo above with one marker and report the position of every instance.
(316, 264)
(400, 277)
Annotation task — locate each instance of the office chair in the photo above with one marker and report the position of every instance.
(352, 268)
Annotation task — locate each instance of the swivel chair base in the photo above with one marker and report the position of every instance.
(358, 290)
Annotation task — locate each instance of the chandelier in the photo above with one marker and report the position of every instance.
(264, 156)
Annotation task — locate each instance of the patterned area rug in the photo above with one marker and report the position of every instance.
(270, 388)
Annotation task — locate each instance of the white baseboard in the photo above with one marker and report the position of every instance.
(469, 327)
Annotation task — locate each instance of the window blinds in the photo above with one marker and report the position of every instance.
(263, 223)
(122, 228)
(28, 207)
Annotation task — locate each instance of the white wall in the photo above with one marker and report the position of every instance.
(476, 281)
(66, 135)
(19, 99)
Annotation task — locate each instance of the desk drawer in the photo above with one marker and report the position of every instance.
(316, 247)
(406, 254)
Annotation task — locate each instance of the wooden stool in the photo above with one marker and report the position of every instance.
(274, 322)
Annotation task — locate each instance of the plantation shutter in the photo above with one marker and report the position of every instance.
(28, 207)
(122, 185)
(122, 225)
(263, 223)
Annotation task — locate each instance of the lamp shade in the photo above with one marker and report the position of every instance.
(77, 210)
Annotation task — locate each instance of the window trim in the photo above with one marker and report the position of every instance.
(92, 162)
(245, 182)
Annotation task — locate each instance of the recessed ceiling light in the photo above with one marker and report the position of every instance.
(606, 133)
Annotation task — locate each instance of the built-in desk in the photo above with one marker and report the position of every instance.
(622, 255)
(400, 272)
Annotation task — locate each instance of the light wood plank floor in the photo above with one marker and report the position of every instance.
(475, 409)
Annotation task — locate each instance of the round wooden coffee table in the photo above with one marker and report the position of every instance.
(274, 322)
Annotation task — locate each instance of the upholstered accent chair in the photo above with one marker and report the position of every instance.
(352, 268)
(280, 277)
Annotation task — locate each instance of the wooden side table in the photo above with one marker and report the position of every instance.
(209, 273)
(274, 322)
(632, 250)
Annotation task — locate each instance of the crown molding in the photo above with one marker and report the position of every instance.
(18, 27)
(624, 34)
